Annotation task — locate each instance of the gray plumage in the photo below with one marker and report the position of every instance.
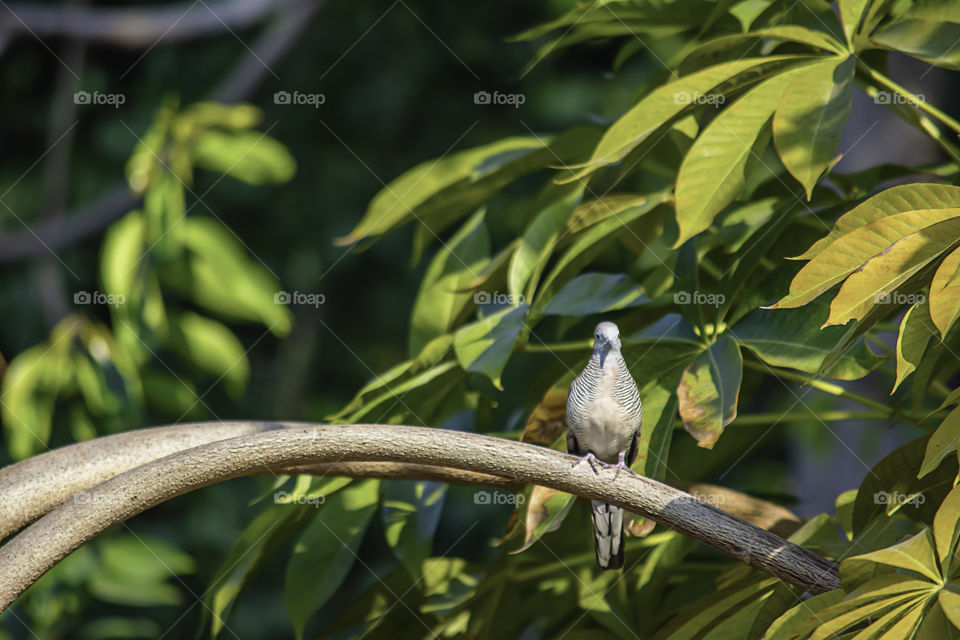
(603, 419)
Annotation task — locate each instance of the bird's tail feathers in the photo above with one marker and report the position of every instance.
(607, 534)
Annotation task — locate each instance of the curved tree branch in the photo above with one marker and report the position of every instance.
(36, 486)
(137, 27)
(39, 547)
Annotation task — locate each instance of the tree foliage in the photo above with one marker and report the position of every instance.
(707, 220)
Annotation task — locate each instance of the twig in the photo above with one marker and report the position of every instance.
(140, 27)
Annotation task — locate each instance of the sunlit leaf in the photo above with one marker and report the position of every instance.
(811, 116)
(708, 391)
(330, 542)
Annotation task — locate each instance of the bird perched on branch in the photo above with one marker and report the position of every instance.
(603, 426)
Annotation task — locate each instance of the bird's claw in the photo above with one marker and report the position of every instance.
(592, 460)
(622, 466)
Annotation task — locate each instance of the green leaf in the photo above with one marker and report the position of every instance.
(441, 298)
(716, 168)
(586, 246)
(942, 443)
(671, 101)
(892, 486)
(218, 275)
(933, 41)
(554, 206)
(411, 513)
(249, 156)
(592, 293)
(259, 541)
(30, 387)
(656, 431)
(485, 346)
(811, 116)
(433, 353)
(944, 307)
(851, 251)
(916, 328)
(708, 391)
(122, 256)
(211, 347)
(913, 554)
(460, 182)
(947, 534)
(917, 197)
(851, 14)
(793, 338)
(882, 274)
(325, 552)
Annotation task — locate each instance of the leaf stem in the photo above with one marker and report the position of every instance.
(836, 390)
(912, 98)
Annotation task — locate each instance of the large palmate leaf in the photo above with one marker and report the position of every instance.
(869, 231)
(708, 391)
(874, 281)
(671, 101)
(905, 591)
(811, 116)
(716, 167)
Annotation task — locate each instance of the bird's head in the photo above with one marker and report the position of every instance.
(606, 339)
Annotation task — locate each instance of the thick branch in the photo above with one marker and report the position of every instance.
(39, 547)
(140, 27)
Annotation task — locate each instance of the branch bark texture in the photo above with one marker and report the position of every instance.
(274, 446)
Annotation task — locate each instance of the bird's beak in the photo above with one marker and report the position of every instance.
(605, 348)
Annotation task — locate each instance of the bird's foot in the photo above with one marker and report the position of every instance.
(622, 466)
(592, 460)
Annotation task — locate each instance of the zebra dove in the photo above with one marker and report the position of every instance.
(603, 426)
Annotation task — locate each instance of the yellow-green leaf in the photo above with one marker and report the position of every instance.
(915, 332)
(880, 276)
(708, 391)
(945, 293)
(811, 116)
(669, 102)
